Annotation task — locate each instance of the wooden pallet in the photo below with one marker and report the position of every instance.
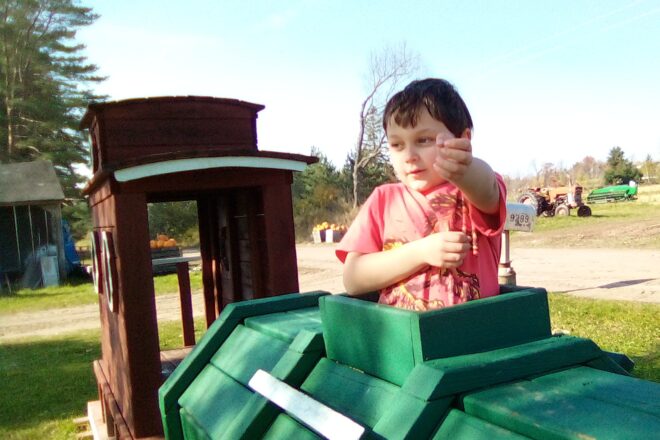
(83, 428)
(92, 425)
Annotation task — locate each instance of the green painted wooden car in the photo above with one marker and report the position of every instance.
(316, 365)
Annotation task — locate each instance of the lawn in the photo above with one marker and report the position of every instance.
(80, 292)
(603, 213)
(630, 224)
(47, 381)
(618, 326)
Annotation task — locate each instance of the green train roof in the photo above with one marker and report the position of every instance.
(316, 365)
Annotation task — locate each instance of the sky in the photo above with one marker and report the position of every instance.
(545, 80)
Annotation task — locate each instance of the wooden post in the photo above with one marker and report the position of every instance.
(186, 304)
(206, 226)
(280, 239)
(506, 274)
(519, 217)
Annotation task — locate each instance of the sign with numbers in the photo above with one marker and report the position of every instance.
(519, 217)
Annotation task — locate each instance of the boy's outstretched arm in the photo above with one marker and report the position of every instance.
(369, 272)
(480, 186)
(474, 177)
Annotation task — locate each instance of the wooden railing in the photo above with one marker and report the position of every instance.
(185, 294)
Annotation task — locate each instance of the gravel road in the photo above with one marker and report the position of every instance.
(617, 274)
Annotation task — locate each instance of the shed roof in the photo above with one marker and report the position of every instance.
(29, 182)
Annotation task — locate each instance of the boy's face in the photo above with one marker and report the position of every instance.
(414, 150)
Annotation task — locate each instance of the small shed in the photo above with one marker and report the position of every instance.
(30, 216)
(174, 149)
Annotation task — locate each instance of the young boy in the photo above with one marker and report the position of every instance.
(432, 240)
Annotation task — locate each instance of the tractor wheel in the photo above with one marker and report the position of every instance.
(531, 199)
(584, 211)
(548, 210)
(562, 211)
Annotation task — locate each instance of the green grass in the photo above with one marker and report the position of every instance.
(47, 382)
(603, 213)
(618, 326)
(70, 294)
(76, 293)
(633, 224)
(169, 283)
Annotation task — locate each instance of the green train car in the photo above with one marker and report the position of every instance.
(613, 194)
(314, 365)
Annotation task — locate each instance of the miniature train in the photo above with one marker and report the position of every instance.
(329, 366)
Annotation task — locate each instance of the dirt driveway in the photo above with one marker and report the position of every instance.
(619, 274)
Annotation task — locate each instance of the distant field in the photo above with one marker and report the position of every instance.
(649, 194)
(633, 224)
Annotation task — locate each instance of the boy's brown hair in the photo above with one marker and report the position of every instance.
(438, 96)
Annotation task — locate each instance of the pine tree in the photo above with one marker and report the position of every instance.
(620, 170)
(42, 84)
(316, 194)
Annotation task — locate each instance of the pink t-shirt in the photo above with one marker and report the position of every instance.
(394, 215)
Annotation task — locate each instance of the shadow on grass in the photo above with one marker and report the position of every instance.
(617, 284)
(46, 380)
(625, 283)
(647, 366)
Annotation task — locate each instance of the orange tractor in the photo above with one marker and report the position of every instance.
(556, 201)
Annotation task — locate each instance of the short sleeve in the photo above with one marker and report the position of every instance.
(365, 235)
(491, 224)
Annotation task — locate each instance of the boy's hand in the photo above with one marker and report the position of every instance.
(454, 157)
(446, 249)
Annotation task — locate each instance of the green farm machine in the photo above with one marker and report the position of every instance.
(613, 193)
(556, 201)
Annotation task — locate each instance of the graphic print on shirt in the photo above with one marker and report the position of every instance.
(435, 287)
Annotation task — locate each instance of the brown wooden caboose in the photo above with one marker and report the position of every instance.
(171, 149)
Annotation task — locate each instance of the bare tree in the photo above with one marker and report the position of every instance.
(386, 70)
(649, 169)
(587, 170)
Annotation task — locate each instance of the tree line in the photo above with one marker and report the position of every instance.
(589, 173)
(46, 85)
(44, 89)
(324, 193)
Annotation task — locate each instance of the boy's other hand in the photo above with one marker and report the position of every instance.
(446, 249)
(454, 157)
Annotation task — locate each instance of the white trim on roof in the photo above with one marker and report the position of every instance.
(204, 163)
